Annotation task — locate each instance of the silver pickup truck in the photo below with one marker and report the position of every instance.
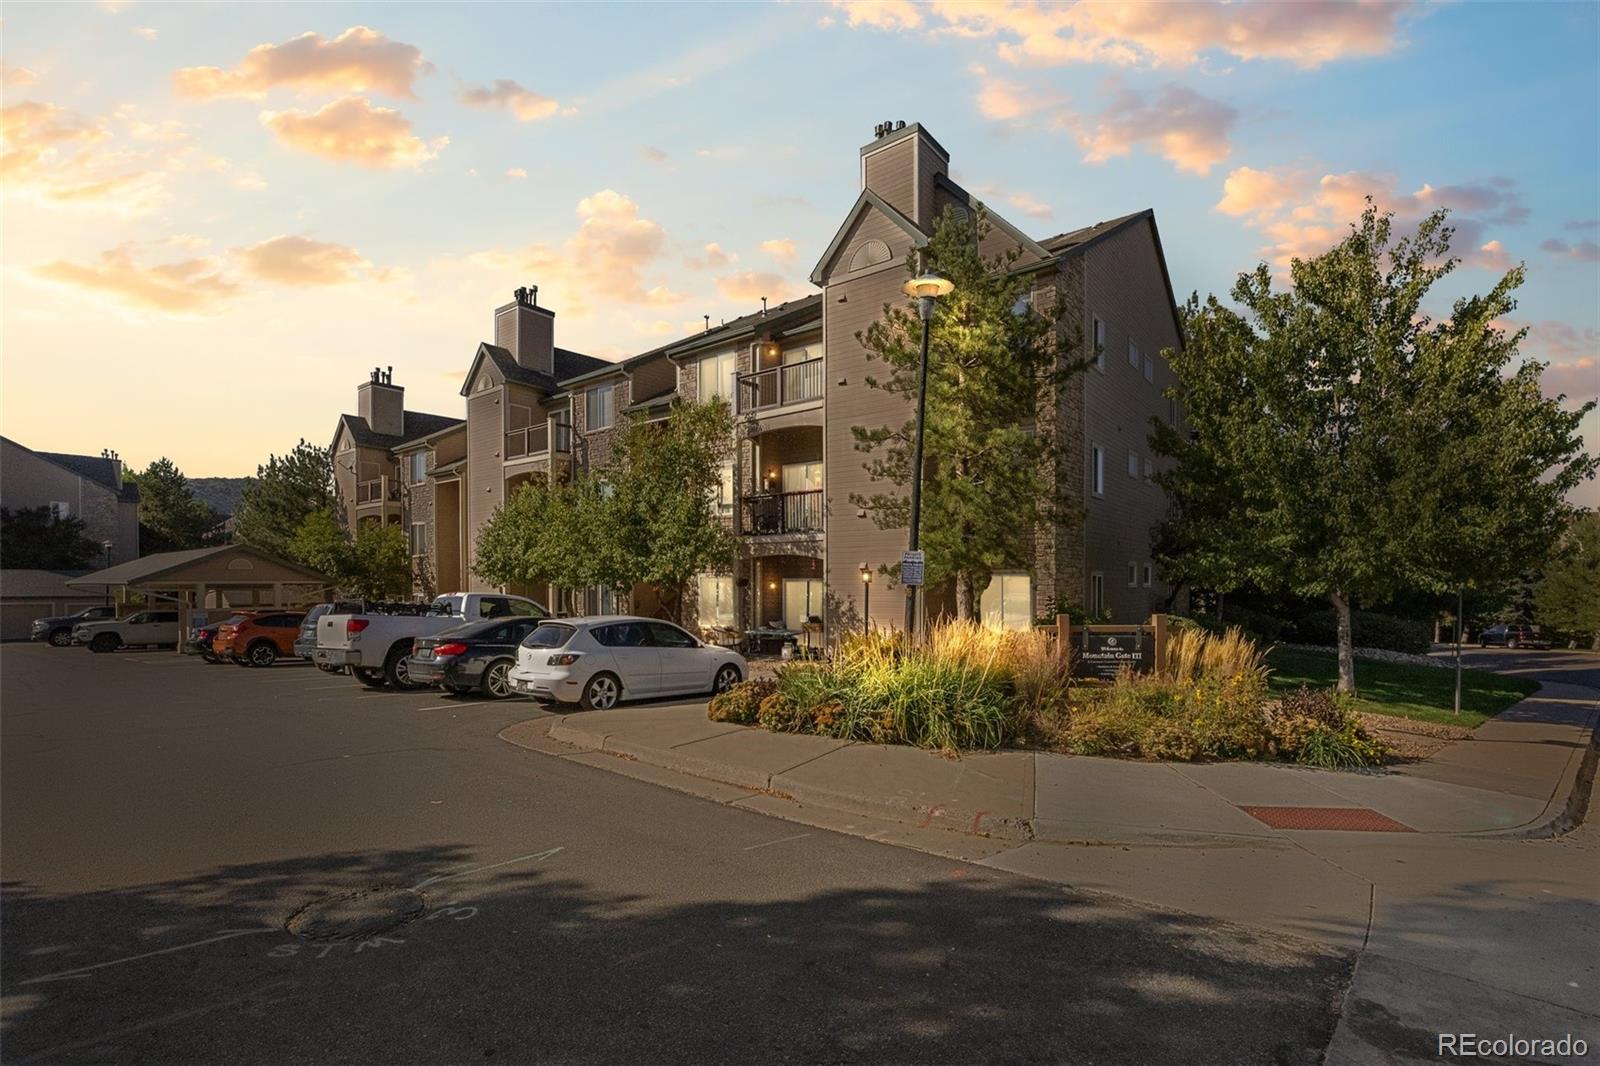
(374, 644)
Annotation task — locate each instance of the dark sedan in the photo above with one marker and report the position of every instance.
(477, 655)
(58, 629)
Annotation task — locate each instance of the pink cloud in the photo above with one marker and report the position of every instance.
(525, 104)
(352, 130)
(358, 60)
(1584, 251)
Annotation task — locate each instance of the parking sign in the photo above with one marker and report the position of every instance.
(911, 568)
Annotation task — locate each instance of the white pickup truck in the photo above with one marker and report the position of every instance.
(375, 643)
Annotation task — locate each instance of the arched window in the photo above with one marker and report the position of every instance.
(870, 254)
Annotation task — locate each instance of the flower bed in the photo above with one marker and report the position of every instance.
(969, 688)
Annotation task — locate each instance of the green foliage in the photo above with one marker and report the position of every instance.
(992, 369)
(1369, 630)
(282, 494)
(32, 538)
(1346, 445)
(1568, 597)
(557, 533)
(170, 518)
(741, 703)
(374, 565)
(1424, 693)
(1319, 728)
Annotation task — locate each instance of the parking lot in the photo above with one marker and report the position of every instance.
(212, 863)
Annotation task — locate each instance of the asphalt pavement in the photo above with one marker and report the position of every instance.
(209, 863)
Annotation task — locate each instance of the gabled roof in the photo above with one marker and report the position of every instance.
(867, 199)
(151, 567)
(1080, 240)
(568, 364)
(414, 425)
(999, 220)
(97, 468)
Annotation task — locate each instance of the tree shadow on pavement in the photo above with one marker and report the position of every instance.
(526, 962)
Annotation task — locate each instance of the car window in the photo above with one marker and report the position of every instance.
(548, 635)
(137, 618)
(449, 604)
(521, 628)
(494, 607)
(621, 635)
(165, 616)
(664, 635)
(524, 609)
(502, 634)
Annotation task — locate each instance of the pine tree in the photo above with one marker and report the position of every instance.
(170, 518)
(281, 495)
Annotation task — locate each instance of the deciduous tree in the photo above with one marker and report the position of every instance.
(1568, 598)
(33, 538)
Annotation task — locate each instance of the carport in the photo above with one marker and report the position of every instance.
(227, 576)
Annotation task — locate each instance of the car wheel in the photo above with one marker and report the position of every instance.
(602, 692)
(104, 642)
(369, 676)
(263, 653)
(727, 677)
(497, 680)
(1513, 644)
(60, 638)
(395, 670)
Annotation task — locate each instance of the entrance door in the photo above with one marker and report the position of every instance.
(802, 598)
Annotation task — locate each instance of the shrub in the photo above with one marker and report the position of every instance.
(741, 703)
(780, 714)
(1194, 653)
(1161, 718)
(1367, 630)
(1314, 727)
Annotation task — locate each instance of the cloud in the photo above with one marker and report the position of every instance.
(66, 160)
(1571, 355)
(149, 33)
(1581, 224)
(525, 104)
(714, 258)
(1302, 216)
(16, 77)
(1186, 129)
(1584, 251)
(358, 60)
(781, 249)
(653, 154)
(351, 130)
(299, 261)
(727, 152)
(1024, 203)
(1028, 33)
(180, 287)
(516, 172)
(752, 285)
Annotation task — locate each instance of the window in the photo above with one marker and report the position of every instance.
(666, 635)
(1133, 355)
(1149, 469)
(714, 377)
(870, 254)
(1099, 345)
(604, 598)
(1007, 603)
(1133, 464)
(1097, 470)
(715, 599)
(724, 498)
(802, 600)
(1023, 305)
(1097, 592)
(419, 538)
(1172, 411)
(600, 407)
(1133, 575)
(416, 467)
(1149, 369)
(1147, 575)
(549, 635)
(59, 510)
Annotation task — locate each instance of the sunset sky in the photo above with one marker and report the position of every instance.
(217, 218)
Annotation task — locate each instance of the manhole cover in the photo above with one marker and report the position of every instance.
(356, 915)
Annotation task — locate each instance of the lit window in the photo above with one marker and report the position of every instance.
(600, 407)
(725, 490)
(1007, 603)
(714, 377)
(1099, 345)
(1097, 470)
(1133, 464)
(1133, 575)
(715, 604)
(416, 467)
(1133, 355)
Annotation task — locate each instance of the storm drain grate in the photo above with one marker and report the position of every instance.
(1349, 819)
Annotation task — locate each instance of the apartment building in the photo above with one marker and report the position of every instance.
(795, 376)
(87, 487)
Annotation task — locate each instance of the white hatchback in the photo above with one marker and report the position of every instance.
(599, 661)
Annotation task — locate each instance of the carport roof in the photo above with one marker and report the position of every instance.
(171, 567)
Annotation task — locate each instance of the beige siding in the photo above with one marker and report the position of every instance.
(1124, 287)
(30, 480)
(484, 485)
(872, 225)
(890, 175)
(653, 377)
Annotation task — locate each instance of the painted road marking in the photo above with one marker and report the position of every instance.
(84, 971)
(780, 840)
(425, 882)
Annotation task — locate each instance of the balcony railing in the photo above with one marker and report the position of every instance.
(779, 386)
(521, 443)
(782, 512)
(377, 491)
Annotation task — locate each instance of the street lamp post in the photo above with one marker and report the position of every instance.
(866, 598)
(926, 287)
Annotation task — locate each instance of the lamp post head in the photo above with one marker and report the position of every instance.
(926, 288)
(866, 574)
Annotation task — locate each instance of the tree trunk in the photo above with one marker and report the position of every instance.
(1347, 656)
(1594, 642)
(964, 597)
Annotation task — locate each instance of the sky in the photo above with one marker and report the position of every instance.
(217, 218)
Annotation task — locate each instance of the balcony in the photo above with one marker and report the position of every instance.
(781, 386)
(781, 512)
(378, 490)
(535, 441)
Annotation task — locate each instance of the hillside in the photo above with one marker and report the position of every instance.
(222, 493)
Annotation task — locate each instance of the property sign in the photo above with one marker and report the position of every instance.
(911, 568)
(1103, 651)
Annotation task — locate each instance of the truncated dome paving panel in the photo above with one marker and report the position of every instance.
(1348, 819)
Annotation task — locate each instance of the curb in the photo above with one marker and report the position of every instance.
(973, 822)
(1577, 780)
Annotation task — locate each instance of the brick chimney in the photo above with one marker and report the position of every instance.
(382, 403)
(527, 331)
(899, 164)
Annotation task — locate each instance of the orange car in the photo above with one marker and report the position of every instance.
(258, 639)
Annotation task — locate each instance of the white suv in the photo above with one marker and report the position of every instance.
(141, 627)
(599, 661)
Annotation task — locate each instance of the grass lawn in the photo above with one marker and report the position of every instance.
(1421, 692)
